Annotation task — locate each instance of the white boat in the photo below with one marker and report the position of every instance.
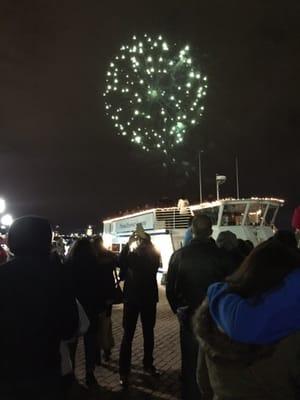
(249, 219)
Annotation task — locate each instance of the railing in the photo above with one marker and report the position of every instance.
(172, 218)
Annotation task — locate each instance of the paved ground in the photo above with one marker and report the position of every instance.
(167, 360)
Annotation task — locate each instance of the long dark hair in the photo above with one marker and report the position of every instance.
(81, 251)
(98, 247)
(264, 269)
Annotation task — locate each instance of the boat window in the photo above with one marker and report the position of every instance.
(233, 214)
(270, 215)
(211, 212)
(106, 228)
(115, 247)
(255, 214)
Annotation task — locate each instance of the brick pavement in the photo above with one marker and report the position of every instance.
(166, 355)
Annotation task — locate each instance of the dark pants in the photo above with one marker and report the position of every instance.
(130, 317)
(90, 344)
(189, 358)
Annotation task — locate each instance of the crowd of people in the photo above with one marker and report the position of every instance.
(201, 262)
(47, 301)
(237, 309)
(224, 295)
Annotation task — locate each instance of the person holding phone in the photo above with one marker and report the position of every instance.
(139, 262)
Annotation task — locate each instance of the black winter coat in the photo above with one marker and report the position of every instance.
(88, 284)
(139, 268)
(37, 312)
(191, 270)
(232, 258)
(107, 263)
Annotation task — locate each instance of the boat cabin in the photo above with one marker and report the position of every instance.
(249, 219)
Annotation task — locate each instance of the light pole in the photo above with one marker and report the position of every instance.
(200, 175)
(237, 178)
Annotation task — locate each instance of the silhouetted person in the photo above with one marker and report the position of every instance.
(139, 267)
(191, 270)
(107, 263)
(228, 243)
(287, 238)
(183, 205)
(296, 219)
(258, 307)
(37, 312)
(245, 247)
(87, 278)
(296, 224)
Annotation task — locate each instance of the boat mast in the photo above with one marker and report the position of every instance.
(237, 177)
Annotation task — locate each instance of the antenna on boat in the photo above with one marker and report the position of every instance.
(237, 177)
(200, 175)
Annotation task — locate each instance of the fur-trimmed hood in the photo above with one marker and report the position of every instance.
(219, 346)
(232, 370)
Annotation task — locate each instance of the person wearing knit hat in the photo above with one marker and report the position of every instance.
(227, 240)
(229, 246)
(30, 235)
(38, 311)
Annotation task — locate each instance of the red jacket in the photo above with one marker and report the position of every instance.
(296, 218)
(3, 255)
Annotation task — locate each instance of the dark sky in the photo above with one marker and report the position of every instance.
(60, 156)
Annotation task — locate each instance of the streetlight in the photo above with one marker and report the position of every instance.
(7, 220)
(200, 175)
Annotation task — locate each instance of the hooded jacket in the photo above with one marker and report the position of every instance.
(274, 315)
(230, 370)
(37, 309)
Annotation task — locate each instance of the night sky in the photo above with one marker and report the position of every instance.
(60, 156)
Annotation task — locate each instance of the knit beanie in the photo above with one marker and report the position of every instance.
(30, 235)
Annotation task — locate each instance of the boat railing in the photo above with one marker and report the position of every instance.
(172, 218)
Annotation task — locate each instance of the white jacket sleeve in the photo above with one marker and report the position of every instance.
(84, 322)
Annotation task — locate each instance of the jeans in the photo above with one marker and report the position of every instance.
(130, 317)
(189, 358)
